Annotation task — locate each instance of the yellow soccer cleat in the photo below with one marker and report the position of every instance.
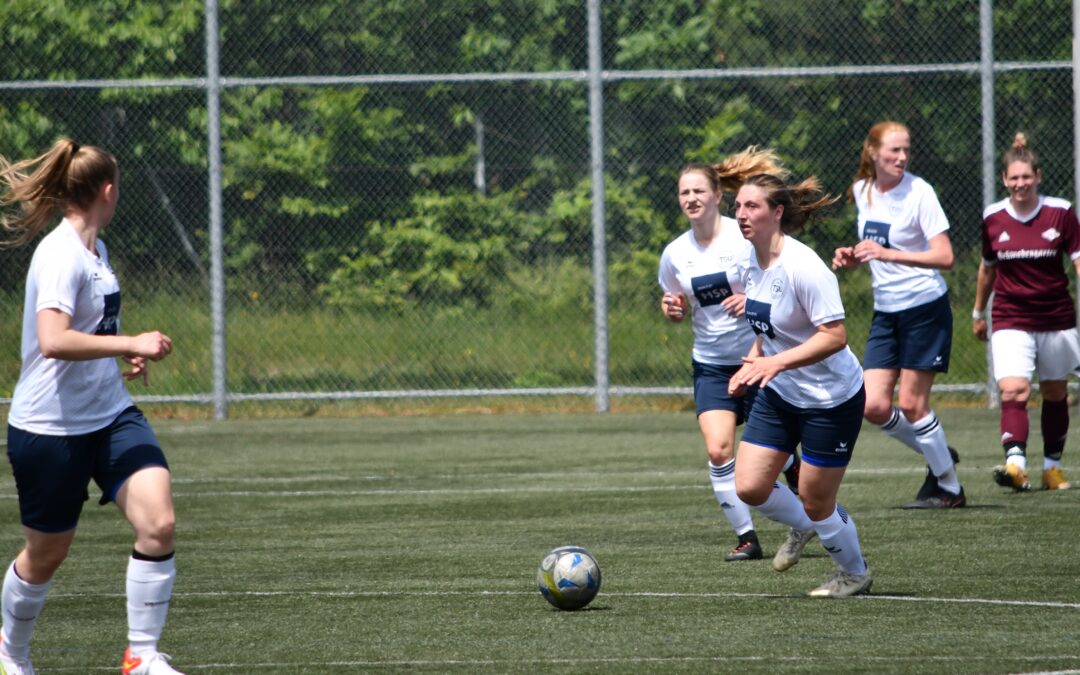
(1010, 475)
(1054, 479)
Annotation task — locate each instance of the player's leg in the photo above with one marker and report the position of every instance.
(26, 585)
(1013, 353)
(718, 414)
(51, 474)
(718, 428)
(1054, 420)
(767, 445)
(132, 471)
(828, 441)
(1058, 355)
(946, 492)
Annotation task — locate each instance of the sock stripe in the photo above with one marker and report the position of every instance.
(725, 471)
(894, 419)
(929, 427)
(843, 513)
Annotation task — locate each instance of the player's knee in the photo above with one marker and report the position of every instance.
(720, 453)
(161, 531)
(753, 494)
(877, 411)
(41, 562)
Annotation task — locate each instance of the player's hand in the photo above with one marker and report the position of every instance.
(735, 304)
(867, 250)
(673, 306)
(978, 327)
(138, 369)
(844, 258)
(759, 370)
(153, 345)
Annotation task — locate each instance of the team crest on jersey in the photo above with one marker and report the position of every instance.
(777, 287)
(1051, 234)
(725, 258)
(1004, 238)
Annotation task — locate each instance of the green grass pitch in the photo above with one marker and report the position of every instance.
(410, 544)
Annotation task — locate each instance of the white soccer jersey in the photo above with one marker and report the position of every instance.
(67, 398)
(706, 276)
(905, 218)
(785, 304)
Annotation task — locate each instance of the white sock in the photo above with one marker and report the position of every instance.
(22, 604)
(1017, 458)
(840, 538)
(899, 428)
(1051, 463)
(931, 438)
(149, 590)
(723, 484)
(784, 507)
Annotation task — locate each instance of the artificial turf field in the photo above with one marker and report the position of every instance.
(410, 544)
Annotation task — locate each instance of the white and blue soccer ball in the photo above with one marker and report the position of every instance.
(569, 577)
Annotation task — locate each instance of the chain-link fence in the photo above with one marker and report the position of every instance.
(407, 194)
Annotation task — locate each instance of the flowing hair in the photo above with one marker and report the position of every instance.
(874, 139)
(800, 201)
(37, 190)
(729, 174)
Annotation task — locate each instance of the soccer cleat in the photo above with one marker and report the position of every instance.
(1012, 476)
(939, 498)
(9, 665)
(841, 584)
(930, 484)
(155, 663)
(1054, 479)
(791, 550)
(791, 474)
(748, 549)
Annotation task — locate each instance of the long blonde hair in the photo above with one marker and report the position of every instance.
(874, 139)
(68, 175)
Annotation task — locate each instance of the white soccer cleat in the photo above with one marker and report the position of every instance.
(147, 664)
(841, 584)
(791, 550)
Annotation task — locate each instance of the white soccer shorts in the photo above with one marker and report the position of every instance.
(1053, 355)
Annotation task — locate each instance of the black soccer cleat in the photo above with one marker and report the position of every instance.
(939, 499)
(748, 549)
(930, 484)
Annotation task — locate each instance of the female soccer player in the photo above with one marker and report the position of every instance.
(701, 274)
(905, 241)
(1023, 240)
(71, 417)
(810, 384)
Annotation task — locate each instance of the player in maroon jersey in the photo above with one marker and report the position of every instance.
(1034, 321)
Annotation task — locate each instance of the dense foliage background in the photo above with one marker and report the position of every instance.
(363, 252)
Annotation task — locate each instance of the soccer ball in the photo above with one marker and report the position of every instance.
(569, 577)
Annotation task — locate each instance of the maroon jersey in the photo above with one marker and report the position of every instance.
(1031, 290)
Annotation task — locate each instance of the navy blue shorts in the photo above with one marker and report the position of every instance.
(52, 472)
(711, 391)
(827, 435)
(919, 338)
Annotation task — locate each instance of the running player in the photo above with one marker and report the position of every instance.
(71, 416)
(701, 275)
(810, 384)
(905, 239)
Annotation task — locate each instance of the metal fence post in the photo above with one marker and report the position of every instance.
(217, 263)
(596, 134)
